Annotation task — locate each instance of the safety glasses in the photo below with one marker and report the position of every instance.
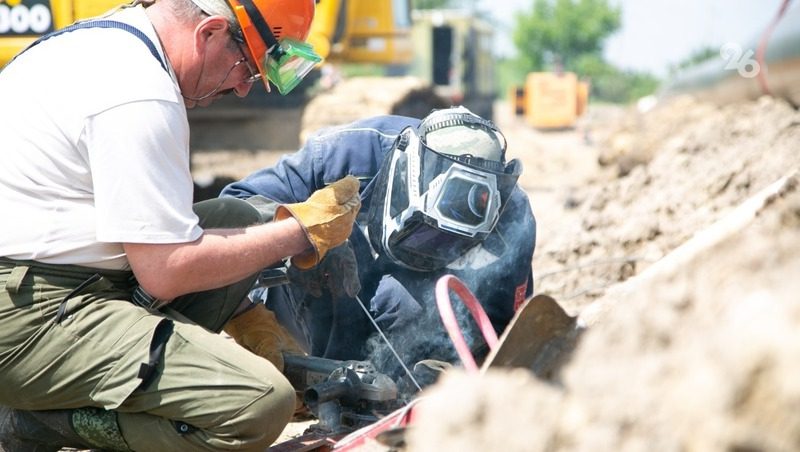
(254, 74)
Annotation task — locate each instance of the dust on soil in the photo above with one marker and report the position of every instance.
(703, 355)
(698, 354)
(667, 175)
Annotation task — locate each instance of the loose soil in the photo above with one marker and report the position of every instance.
(679, 253)
(689, 299)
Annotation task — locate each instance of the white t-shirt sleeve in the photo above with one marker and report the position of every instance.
(140, 164)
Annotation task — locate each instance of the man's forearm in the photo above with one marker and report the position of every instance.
(218, 258)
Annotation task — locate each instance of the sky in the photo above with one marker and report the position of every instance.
(657, 34)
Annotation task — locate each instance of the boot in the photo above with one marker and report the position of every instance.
(46, 431)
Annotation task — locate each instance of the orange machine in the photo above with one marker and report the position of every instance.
(551, 100)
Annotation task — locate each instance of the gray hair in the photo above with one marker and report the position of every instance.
(218, 8)
(189, 11)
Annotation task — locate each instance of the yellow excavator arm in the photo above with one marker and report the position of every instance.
(362, 31)
(357, 31)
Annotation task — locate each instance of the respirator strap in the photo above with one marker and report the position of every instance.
(487, 165)
(459, 119)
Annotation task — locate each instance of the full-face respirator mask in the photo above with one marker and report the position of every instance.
(440, 190)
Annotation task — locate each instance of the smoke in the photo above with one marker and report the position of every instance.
(492, 271)
(423, 338)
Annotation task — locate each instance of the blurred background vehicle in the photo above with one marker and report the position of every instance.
(550, 100)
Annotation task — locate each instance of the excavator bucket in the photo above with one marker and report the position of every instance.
(539, 338)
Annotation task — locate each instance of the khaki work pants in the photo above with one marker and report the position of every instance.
(97, 348)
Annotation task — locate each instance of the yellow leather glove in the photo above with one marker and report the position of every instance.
(327, 218)
(258, 331)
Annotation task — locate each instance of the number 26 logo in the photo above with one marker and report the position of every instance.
(739, 60)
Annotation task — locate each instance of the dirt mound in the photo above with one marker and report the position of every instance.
(685, 270)
(703, 167)
(703, 357)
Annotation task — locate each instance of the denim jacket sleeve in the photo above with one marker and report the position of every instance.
(354, 149)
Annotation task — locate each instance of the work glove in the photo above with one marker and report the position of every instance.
(327, 218)
(337, 272)
(258, 330)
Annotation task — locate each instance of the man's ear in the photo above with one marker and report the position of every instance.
(210, 29)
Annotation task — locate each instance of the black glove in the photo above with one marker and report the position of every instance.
(337, 272)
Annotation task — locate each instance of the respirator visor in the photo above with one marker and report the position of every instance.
(438, 206)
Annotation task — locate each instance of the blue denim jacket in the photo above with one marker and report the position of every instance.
(400, 300)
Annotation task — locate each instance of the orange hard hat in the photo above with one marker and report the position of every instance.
(265, 23)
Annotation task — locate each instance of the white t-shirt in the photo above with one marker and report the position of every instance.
(94, 149)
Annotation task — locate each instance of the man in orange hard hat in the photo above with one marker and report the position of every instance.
(113, 285)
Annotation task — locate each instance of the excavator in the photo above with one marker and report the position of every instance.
(452, 63)
(378, 33)
(366, 31)
(360, 31)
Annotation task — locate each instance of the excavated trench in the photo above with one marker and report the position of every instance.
(700, 353)
(680, 256)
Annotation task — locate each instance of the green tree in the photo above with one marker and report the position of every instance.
(443, 4)
(696, 57)
(430, 4)
(569, 35)
(559, 32)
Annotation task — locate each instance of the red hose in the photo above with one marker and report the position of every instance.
(761, 52)
(443, 285)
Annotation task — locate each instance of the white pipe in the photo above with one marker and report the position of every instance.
(733, 76)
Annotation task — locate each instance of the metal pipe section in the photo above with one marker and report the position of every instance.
(737, 75)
